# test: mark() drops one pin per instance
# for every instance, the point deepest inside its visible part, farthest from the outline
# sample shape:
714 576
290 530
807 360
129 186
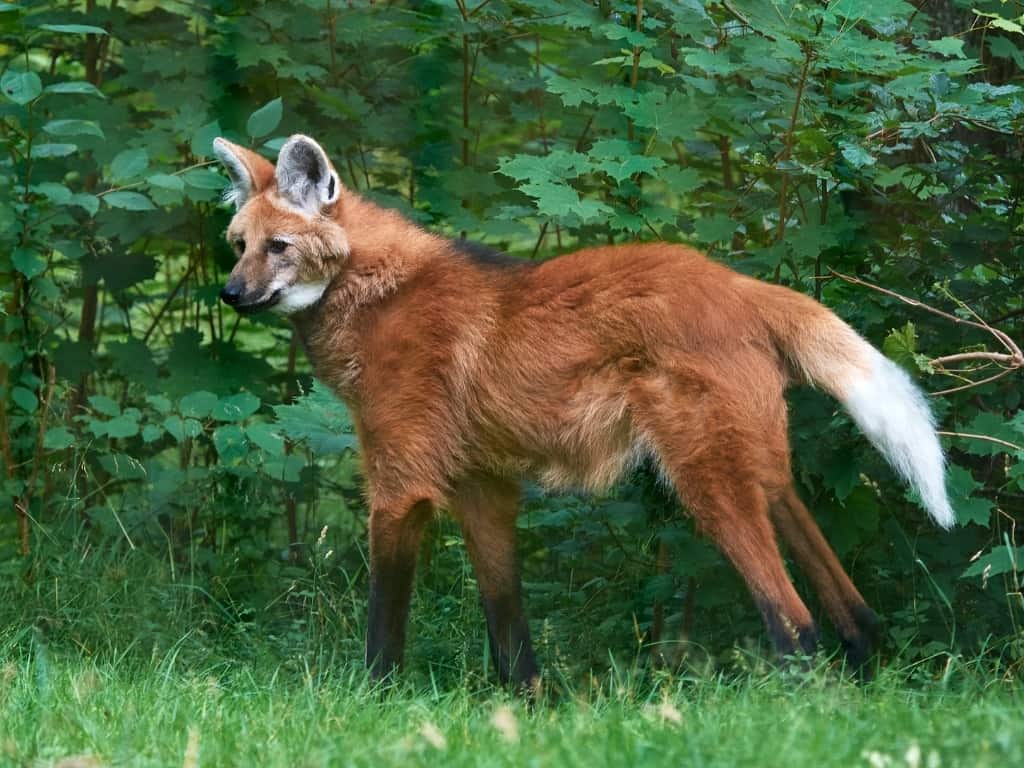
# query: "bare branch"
1013 359
983 437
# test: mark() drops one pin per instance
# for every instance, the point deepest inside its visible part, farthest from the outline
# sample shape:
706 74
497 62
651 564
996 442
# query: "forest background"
174 480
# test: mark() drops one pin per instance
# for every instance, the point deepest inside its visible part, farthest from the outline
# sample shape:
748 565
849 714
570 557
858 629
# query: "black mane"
485 256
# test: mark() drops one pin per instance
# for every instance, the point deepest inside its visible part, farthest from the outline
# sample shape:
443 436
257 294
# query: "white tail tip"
894 415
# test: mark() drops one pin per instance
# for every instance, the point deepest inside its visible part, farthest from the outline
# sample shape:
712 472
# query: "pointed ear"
304 175
250 173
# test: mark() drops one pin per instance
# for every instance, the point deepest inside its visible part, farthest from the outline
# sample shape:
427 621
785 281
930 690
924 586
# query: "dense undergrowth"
175 485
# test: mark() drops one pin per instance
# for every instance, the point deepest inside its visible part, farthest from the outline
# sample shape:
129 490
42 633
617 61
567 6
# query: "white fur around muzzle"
298 296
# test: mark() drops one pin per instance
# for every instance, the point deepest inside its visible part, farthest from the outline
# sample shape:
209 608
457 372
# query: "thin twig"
167 302
540 238
983 437
25 499
1013 361
994 356
788 140
972 384
179 172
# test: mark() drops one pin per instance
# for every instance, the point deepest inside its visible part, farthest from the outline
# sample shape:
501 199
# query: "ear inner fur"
250 173
304 175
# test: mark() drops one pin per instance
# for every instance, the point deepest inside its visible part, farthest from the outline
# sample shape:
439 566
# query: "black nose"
231 294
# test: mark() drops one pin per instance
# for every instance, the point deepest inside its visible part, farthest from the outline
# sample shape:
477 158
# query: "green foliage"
871 139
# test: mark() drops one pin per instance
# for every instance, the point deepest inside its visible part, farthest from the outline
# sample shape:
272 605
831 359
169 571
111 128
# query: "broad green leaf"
681 180
204 178
999 22
151 433
1001 559
55 193
559 164
230 443
236 407
131 357
52 150
286 468
266 437
25 399
130 201
198 405
319 419
947 46
1008 25
1004 48
572 91
125 425
675 117
622 514
713 63
73 128
714 229
181 429
21 86
104 405
616 158
97 427
10 353
166 181
160 403
900 346
250 53
989 424
968 507
128 164
175 427
28 261
561 200
58 438
75 86
73 359
202 139
856 156
808 242
265 119
90 203
841 473
74 29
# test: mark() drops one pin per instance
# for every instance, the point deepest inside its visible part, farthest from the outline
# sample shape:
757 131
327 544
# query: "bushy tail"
879 395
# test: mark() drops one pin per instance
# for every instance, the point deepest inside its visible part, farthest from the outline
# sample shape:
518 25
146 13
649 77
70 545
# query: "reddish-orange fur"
463 378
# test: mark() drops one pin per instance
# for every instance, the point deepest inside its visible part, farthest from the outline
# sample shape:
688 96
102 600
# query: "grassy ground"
68 711
116 664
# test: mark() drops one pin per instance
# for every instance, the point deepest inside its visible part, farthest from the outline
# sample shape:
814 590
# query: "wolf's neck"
386 251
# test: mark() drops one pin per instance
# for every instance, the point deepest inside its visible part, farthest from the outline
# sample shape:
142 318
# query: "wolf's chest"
335 357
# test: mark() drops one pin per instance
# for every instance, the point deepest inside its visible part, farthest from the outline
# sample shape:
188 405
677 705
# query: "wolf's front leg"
395 533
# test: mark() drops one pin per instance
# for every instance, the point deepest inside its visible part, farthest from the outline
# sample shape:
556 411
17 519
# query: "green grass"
162 712
115 663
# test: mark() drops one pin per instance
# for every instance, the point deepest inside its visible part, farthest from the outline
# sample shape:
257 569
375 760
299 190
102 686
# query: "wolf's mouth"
259 306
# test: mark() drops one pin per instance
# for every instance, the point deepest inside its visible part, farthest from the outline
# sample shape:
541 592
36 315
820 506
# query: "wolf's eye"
276 246
239 245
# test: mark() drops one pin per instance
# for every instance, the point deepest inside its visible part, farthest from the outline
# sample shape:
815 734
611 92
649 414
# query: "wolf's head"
289 244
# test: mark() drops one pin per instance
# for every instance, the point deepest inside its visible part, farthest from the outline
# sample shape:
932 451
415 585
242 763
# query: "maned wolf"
466 372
